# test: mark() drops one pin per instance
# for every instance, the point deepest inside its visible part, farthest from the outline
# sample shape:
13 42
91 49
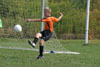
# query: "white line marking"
45 52
63 52
18 48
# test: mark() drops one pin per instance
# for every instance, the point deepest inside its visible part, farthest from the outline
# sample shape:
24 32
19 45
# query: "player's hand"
60 14
27 20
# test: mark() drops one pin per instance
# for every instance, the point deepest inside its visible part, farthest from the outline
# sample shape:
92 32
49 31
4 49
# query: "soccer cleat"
40 57
31 43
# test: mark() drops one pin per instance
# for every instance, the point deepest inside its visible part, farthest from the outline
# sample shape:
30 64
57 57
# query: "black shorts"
46 35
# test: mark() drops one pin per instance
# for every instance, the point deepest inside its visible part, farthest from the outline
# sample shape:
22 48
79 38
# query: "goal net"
71 27
94 28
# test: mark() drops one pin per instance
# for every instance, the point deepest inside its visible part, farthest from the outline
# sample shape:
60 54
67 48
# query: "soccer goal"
71 27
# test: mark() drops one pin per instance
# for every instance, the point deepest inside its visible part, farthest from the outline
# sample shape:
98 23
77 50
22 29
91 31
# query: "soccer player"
47 32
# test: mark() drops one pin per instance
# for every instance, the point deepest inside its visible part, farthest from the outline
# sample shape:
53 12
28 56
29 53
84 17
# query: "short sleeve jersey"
49 22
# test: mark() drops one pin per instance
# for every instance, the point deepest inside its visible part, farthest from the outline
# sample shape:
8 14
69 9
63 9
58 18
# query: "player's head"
47 11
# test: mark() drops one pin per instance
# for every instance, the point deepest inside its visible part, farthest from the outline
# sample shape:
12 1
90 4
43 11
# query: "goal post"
42 13
87 22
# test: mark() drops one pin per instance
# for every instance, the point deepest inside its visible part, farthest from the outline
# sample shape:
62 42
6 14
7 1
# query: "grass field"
89 55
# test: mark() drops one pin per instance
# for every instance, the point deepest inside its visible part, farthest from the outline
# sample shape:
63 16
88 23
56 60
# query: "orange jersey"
49 21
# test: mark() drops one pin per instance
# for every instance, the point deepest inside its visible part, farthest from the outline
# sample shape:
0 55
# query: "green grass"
89 55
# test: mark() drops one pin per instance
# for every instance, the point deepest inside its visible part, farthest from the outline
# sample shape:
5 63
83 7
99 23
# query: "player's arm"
60 17
34 20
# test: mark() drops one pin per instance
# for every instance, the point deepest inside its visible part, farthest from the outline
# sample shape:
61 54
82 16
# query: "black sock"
41 50
35 40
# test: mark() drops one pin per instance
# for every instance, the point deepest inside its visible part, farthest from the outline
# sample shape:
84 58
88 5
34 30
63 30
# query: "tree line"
72 25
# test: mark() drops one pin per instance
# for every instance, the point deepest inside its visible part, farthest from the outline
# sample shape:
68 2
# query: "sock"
41 50
35 40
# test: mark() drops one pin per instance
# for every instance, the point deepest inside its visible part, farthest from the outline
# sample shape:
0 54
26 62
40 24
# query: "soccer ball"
18 28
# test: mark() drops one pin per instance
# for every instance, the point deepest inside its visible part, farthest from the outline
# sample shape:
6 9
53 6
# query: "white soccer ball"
18 28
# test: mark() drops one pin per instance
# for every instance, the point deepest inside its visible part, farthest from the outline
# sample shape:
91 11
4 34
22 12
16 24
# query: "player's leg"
33 44
38 35
45 37
41 49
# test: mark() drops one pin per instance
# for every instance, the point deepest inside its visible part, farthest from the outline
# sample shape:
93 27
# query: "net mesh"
54 44
94 28
16 12
72 25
